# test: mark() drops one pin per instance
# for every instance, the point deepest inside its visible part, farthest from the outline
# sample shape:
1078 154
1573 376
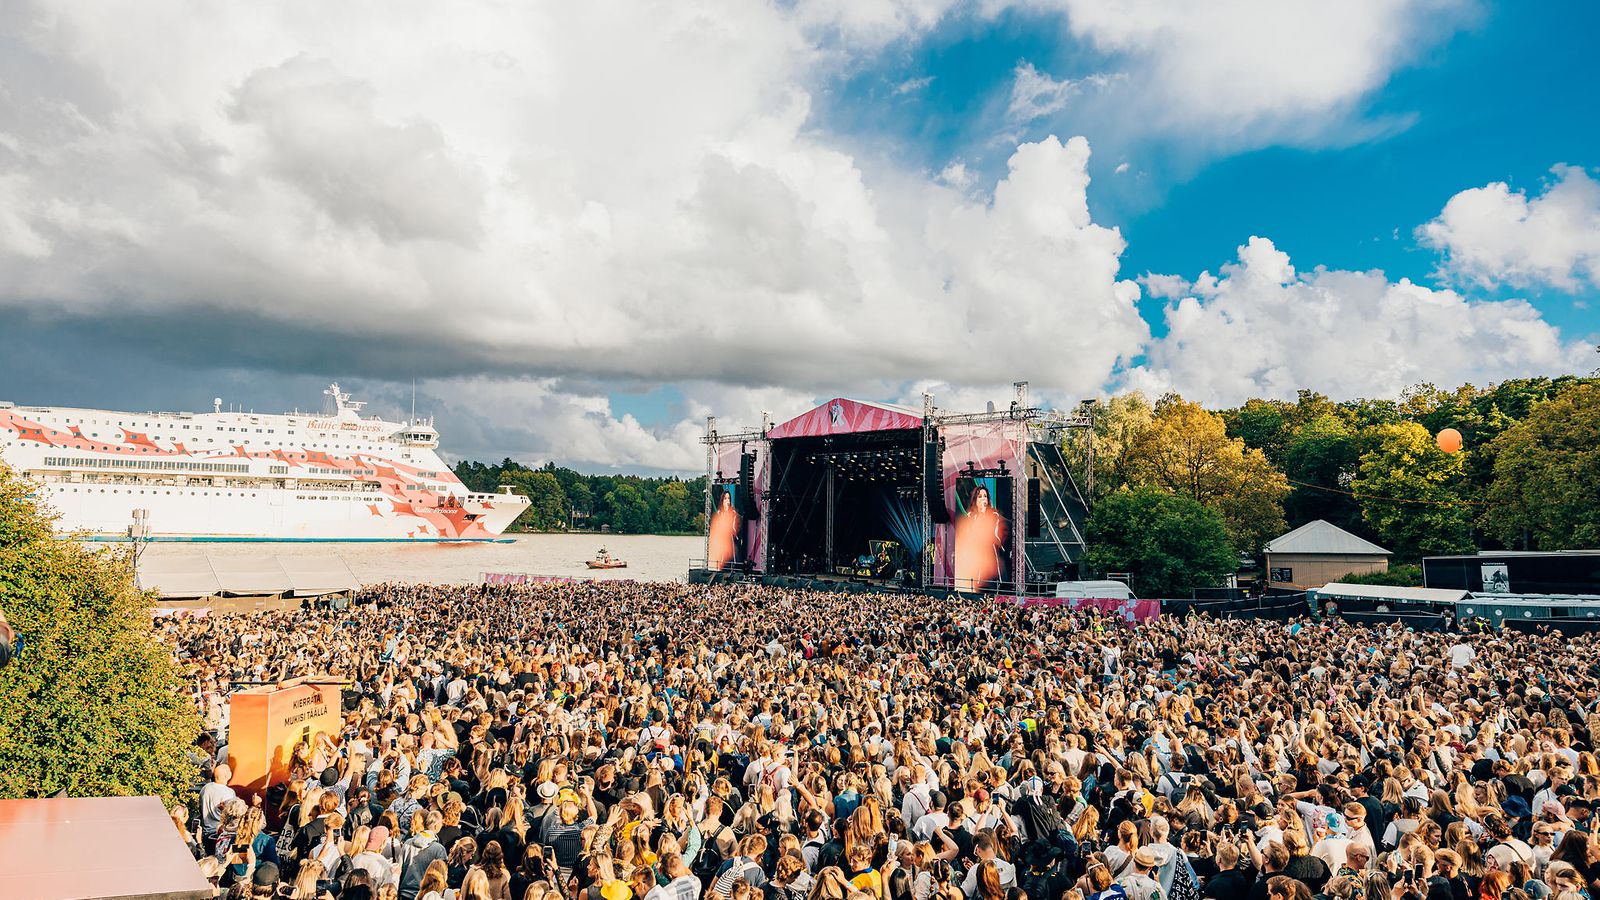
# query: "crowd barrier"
1414 620
1276 607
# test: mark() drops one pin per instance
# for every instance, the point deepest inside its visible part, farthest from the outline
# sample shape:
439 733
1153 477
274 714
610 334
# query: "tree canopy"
1170 544
1186 450
1524 477
1547 474
562 498
94 704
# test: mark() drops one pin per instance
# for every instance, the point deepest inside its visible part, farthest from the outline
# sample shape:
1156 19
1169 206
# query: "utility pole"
139 535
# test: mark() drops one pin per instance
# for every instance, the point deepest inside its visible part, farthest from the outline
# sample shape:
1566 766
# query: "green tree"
1171 544
675 510
1547 475
94 705
1186 450
1116 423
547 503
1322 452
1394 576
1410 492
1261 424
630 512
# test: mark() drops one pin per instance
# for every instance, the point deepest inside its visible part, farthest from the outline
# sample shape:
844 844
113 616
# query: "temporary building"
203 574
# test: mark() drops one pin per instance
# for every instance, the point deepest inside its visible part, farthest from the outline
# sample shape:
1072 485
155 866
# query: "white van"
1081 590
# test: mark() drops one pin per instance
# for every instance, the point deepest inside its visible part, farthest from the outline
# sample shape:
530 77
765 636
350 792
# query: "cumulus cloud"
491 195
1493 235
1250 72
1263 329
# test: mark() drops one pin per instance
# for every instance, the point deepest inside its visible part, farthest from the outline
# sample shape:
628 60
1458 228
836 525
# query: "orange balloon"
1449 440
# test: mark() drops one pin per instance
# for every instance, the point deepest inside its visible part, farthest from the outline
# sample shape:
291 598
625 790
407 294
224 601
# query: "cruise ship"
243 476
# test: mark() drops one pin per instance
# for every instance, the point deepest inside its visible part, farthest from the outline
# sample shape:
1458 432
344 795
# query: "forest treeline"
563 499
1187 488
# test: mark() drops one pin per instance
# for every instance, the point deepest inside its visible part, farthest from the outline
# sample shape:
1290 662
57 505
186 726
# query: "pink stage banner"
841 416
521 578
1126 610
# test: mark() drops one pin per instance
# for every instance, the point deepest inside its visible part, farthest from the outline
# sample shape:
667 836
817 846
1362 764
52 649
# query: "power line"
1318 487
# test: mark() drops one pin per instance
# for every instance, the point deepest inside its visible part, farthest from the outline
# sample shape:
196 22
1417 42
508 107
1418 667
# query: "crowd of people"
623 741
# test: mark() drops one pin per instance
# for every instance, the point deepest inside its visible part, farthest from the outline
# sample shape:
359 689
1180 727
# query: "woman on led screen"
724 531
980 534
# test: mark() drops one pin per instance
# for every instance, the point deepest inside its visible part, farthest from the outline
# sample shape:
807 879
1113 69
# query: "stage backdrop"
981 548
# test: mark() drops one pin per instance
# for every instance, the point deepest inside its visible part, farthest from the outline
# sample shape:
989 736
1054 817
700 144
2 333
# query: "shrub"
94 705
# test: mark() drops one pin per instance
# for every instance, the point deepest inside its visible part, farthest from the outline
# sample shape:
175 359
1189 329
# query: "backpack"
769 776
1048 867
708 865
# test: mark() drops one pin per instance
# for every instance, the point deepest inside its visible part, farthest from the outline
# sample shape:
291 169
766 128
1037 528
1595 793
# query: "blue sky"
1514 91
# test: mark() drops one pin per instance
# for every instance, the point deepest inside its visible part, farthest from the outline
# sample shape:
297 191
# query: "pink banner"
504 578
1126 610
841 416
521 578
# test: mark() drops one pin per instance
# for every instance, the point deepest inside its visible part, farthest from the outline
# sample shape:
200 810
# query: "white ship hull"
243 476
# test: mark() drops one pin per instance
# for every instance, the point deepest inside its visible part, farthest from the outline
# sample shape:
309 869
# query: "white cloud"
1165 287
871 22
1121 168
1252 72
1034 94
958 176
1493 235
1262 329
913 85
602 192
539 420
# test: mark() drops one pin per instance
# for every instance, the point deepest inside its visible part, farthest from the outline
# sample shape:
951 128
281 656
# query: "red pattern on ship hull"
395 480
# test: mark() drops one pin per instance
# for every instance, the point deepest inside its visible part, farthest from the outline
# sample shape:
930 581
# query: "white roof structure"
1341 590
200 574
1322 536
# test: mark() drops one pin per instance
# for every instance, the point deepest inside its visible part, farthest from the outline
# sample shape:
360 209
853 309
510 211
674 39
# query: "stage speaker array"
1035 512
933 482
747 495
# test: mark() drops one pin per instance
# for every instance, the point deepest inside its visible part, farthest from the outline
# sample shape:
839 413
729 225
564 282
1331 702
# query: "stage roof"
94 847
842 415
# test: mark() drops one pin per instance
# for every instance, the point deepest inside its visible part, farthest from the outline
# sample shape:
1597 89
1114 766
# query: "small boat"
604 560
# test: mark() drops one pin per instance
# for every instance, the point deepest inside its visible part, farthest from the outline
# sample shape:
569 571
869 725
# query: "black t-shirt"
1204 866
1377 818
1234 884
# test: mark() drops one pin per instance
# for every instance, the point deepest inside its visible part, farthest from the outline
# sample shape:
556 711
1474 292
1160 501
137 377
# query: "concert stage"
870 495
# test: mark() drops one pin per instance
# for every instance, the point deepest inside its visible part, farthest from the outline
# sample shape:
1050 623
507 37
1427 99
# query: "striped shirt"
684 887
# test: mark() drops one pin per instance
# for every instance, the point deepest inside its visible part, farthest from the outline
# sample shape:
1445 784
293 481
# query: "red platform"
94 848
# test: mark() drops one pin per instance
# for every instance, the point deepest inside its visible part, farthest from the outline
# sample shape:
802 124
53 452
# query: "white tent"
204 574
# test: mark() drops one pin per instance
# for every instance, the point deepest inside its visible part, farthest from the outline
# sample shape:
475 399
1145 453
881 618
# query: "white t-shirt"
1113 656
1462 655
212 796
